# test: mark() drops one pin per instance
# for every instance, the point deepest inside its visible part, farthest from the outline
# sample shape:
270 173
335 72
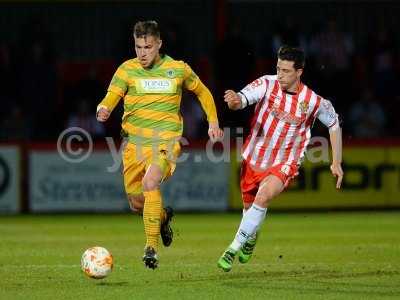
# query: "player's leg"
249 188
136 202
269 188
167 162
152 213
134 172
246 251
161 167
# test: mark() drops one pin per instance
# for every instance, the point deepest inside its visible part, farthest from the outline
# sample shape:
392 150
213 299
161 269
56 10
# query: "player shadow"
311 274
106 283
258 279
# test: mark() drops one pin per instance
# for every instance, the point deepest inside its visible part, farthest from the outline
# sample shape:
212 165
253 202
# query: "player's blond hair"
146 28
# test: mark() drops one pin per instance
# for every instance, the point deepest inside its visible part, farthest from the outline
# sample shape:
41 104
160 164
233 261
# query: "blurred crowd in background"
44 92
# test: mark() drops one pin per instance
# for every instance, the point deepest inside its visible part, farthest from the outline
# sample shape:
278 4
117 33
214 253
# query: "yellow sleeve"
190 79
206 100
110 101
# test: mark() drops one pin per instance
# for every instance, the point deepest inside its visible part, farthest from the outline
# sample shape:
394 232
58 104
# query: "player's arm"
251 94
207 103
327 115
116 90
336 166
194 84
106 106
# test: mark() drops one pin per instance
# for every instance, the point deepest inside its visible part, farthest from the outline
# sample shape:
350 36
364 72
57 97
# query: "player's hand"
102 114
232 99
337 171
214 132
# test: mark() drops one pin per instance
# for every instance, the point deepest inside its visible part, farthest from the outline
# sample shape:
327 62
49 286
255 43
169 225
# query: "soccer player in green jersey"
151 88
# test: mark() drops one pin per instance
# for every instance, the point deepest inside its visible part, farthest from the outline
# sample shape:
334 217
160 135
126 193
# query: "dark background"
56 59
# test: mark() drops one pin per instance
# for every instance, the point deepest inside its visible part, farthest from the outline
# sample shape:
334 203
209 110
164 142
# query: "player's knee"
149 184
263 199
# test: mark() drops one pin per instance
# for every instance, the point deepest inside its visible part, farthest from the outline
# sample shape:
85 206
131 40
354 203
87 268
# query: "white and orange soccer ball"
97 262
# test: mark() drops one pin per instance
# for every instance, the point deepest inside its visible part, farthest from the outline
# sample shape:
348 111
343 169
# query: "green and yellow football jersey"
152 99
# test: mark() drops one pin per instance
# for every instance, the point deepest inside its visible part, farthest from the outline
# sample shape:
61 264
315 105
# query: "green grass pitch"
347 255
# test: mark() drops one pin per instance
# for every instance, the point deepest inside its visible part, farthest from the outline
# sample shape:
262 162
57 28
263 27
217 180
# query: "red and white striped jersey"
281 125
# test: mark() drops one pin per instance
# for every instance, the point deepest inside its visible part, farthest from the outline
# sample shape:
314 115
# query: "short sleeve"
255 91
327 115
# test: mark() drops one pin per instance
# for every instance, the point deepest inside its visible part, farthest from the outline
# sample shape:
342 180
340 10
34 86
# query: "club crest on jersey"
256 83
170 73
303 107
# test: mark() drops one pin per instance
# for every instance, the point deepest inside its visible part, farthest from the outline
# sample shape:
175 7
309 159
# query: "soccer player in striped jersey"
151 87
280 132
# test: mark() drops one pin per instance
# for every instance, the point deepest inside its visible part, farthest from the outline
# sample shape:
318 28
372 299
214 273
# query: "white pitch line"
197 265
38 266
59 266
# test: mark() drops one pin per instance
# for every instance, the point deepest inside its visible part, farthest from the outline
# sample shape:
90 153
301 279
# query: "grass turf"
351 255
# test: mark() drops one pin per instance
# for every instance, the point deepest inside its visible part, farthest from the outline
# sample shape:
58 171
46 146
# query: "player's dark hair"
145 28
292 54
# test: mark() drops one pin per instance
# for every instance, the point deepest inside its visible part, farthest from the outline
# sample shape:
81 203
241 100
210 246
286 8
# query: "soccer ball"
97 262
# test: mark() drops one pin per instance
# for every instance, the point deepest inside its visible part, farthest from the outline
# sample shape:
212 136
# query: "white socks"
255 233
251 222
